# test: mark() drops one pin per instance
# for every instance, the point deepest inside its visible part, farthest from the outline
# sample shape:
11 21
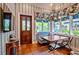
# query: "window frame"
42 26
71 21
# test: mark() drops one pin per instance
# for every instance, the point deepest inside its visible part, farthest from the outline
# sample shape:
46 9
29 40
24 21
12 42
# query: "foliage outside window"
38 26
42 26
45 26
75 27
65 26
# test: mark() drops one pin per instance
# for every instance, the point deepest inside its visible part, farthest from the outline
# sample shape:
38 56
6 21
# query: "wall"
4 36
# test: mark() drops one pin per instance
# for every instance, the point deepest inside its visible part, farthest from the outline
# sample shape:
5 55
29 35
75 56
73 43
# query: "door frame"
20 25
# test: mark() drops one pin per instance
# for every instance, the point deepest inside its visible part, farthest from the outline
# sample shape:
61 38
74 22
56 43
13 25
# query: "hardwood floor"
35 49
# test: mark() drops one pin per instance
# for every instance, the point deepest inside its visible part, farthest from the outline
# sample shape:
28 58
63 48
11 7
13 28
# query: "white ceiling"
42 5
53 6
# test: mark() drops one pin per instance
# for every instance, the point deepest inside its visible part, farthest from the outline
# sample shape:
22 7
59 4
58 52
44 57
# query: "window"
38 26
6 24
23 25
42 26
45 26
75 27
28 23
69 25
65 26
56 26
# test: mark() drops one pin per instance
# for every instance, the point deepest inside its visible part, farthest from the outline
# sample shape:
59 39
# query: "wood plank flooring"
35 49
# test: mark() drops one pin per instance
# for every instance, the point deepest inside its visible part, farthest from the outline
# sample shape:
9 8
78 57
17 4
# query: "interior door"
26 29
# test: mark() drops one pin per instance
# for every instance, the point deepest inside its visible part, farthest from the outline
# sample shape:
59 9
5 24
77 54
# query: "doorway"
26 29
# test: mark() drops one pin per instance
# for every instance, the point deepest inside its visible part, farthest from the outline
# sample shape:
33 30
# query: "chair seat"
43 41
40 39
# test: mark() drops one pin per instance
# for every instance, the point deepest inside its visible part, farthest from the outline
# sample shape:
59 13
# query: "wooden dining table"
57 38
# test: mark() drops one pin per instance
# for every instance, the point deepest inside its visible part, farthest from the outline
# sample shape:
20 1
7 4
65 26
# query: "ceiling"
53 6
60 6
42 5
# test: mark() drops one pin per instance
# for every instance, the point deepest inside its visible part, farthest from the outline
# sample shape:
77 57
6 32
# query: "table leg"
50 47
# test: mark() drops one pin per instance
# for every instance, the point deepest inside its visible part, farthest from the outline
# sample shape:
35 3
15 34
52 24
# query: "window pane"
65 26
23 25
56 26
6 24
28 23
75 27
38 26
45 26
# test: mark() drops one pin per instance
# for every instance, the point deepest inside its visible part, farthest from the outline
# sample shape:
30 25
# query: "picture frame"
6 26
1 18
